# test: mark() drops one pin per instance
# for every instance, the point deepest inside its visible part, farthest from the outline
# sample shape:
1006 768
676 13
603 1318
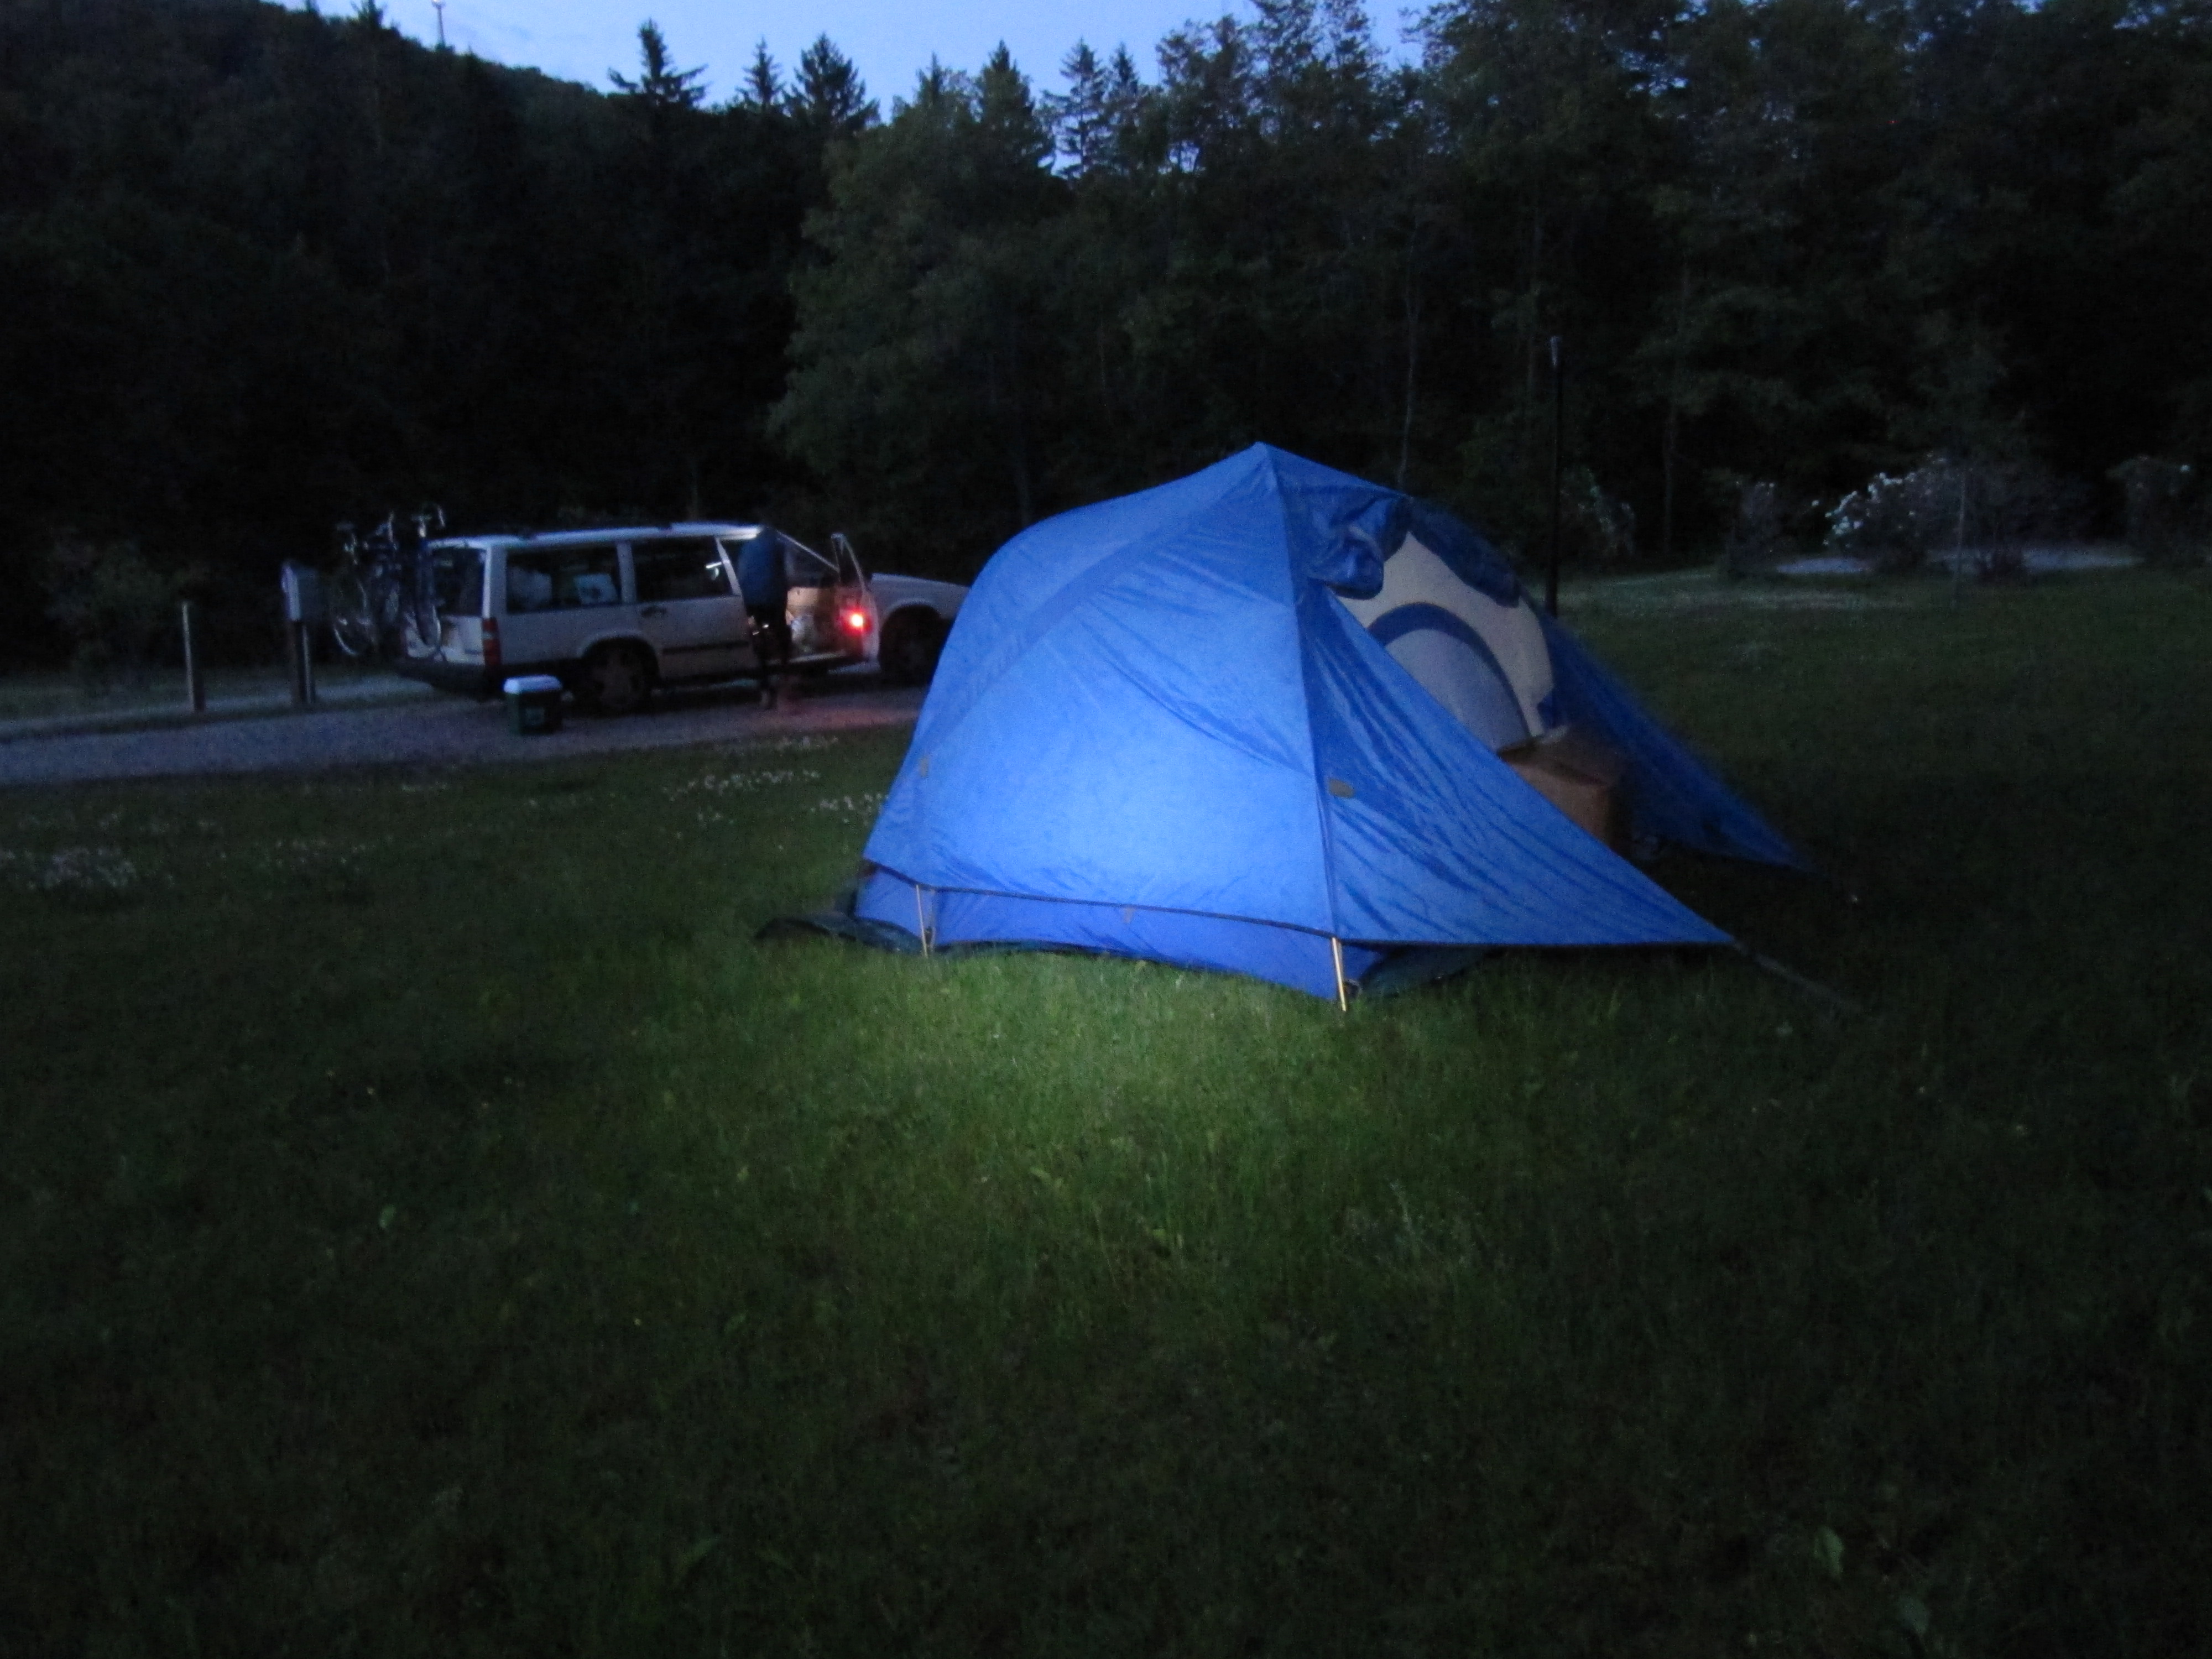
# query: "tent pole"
1336 953
920 920
1812 987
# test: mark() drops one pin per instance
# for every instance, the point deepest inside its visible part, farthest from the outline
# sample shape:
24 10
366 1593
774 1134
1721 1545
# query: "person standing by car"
766 588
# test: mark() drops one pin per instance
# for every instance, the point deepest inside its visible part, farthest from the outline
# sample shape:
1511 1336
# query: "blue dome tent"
1251 721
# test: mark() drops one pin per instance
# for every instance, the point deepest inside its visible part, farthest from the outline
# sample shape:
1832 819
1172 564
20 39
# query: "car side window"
562 578
684 567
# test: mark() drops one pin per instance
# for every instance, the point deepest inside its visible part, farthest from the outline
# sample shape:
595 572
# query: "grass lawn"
430 1224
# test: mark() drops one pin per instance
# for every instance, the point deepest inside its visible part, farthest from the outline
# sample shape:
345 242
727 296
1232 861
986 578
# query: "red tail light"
491 641
856 621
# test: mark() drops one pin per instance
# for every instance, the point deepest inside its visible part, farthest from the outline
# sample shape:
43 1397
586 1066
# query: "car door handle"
653 610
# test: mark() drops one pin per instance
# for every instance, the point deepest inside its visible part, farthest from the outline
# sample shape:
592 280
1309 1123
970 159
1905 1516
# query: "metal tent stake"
1336 954
921 919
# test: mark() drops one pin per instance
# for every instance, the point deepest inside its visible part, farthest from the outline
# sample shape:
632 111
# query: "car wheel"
616 680
910 647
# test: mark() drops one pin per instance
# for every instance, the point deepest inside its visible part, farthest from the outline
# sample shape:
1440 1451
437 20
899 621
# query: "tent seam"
1150 909
1298 597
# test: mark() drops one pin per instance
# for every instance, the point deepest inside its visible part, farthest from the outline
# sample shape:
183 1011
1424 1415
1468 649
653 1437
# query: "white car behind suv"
612 613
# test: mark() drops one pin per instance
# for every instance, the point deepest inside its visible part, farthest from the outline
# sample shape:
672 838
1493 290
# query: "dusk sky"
888 40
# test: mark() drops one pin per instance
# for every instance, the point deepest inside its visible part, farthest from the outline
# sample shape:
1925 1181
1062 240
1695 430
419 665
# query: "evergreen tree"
763 88
661 86
830 101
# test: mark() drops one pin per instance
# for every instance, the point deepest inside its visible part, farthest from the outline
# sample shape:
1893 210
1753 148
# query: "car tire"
911 643
616 680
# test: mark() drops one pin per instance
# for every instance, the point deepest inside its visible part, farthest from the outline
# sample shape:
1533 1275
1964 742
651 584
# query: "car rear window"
562 578
459 574
685 567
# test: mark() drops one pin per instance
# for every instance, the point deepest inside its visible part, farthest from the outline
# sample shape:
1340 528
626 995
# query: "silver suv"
614 613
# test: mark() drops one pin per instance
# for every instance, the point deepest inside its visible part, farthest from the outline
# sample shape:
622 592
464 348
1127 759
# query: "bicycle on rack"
384 597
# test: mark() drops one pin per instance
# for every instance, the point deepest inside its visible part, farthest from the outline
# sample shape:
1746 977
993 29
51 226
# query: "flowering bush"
1893 523
1987 510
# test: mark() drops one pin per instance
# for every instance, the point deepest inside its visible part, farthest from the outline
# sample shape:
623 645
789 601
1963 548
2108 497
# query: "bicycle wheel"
353 620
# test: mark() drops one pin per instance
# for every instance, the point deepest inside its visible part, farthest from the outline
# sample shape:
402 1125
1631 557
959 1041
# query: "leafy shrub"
1756 537
1594 524
112 603
2163 522
2009 505
1505 486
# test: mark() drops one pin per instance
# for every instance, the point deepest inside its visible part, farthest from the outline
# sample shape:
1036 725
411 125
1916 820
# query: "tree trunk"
1024 503
1412 362
1668 453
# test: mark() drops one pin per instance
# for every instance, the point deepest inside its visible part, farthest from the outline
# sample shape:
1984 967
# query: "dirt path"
445 732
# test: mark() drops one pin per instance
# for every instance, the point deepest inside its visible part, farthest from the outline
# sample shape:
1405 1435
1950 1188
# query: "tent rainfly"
1273 719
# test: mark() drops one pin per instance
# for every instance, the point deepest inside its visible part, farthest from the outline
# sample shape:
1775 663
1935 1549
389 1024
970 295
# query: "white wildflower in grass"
308 854
850 809
743 783
85 870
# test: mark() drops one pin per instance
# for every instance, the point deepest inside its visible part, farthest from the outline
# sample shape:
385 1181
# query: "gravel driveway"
446 731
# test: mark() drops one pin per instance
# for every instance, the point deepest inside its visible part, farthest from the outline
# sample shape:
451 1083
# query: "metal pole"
307 662
1558 443
195 670
294 671
1336 954
1958 549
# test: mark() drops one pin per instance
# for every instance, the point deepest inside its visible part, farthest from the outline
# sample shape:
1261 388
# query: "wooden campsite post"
1559 442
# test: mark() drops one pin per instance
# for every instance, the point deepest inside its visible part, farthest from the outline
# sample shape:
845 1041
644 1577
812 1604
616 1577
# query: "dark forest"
264 270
